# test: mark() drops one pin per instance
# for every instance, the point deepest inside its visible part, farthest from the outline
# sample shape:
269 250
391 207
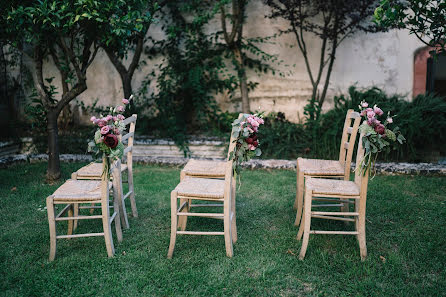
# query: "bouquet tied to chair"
377 135
244 131
107 141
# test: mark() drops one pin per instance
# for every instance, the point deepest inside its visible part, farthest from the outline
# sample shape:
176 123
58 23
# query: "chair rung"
328 205
201 198
333 218
128 149
79 235
127 195
332 200
79 218
205 205
334 232
93 206
335 213
113 217
200 233
198 214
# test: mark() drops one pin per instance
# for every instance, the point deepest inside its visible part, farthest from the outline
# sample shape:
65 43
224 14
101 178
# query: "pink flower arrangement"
377 136
110 126
247 144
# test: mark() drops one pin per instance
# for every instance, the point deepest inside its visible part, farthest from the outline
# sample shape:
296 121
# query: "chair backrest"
232 139
115 169
129 136
361 178
351 126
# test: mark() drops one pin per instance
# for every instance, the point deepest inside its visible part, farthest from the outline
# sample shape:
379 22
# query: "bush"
422 121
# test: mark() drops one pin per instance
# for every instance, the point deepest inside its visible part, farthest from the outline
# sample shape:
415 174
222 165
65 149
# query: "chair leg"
301 228
299 196
76 213
106 224
132 195
70 222
52 225
117 219
361 238
118 196
307 215
234 220
228 228
182 220
173 220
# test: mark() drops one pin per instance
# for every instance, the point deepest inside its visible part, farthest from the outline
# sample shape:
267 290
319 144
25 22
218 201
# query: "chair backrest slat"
351 126
232 139
129 137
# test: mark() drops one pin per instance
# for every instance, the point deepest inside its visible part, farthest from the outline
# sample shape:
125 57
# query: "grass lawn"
406 240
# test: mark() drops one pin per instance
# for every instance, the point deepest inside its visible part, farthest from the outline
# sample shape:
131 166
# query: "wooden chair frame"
345 157
359 201
181 212
105 216
128 155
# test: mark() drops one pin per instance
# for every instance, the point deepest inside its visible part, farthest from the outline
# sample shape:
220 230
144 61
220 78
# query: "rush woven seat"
320 167
319 191
205 168
332 187
201 187
79 189
328 168
93 171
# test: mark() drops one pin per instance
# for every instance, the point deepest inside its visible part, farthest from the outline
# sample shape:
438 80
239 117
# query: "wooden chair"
75 192
205 189
93 171
337 193
206 169
328 168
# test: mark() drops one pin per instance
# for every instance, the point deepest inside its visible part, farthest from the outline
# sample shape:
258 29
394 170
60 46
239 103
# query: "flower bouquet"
377 136
247 144
106 138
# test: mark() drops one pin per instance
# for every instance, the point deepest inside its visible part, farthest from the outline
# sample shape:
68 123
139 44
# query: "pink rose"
251 147
389 120
254 123
111 140
377 110
250 130
120 117
125 101
105 130
260 121
380 129
116 130
109 117
370 114
101 123
120 108
115 119
93 119
364 104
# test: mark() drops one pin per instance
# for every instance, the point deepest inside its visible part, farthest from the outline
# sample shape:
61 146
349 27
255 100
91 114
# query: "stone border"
381 168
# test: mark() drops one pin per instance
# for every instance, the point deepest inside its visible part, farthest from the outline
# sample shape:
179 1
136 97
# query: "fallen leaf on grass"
123 252
382 259
13 189
291 252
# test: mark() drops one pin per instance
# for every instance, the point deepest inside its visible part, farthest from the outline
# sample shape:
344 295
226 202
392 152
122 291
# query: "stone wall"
383 59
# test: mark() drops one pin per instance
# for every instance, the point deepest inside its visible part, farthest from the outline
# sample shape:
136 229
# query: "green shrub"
422 122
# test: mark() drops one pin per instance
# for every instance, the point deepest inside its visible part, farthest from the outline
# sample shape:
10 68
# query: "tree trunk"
53 172
242 80
127 85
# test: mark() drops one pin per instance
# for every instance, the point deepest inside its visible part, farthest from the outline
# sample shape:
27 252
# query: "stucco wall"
383 59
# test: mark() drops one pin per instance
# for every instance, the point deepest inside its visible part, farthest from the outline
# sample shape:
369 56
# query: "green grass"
406 239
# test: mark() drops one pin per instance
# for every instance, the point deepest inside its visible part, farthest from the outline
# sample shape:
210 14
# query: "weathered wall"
384 60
